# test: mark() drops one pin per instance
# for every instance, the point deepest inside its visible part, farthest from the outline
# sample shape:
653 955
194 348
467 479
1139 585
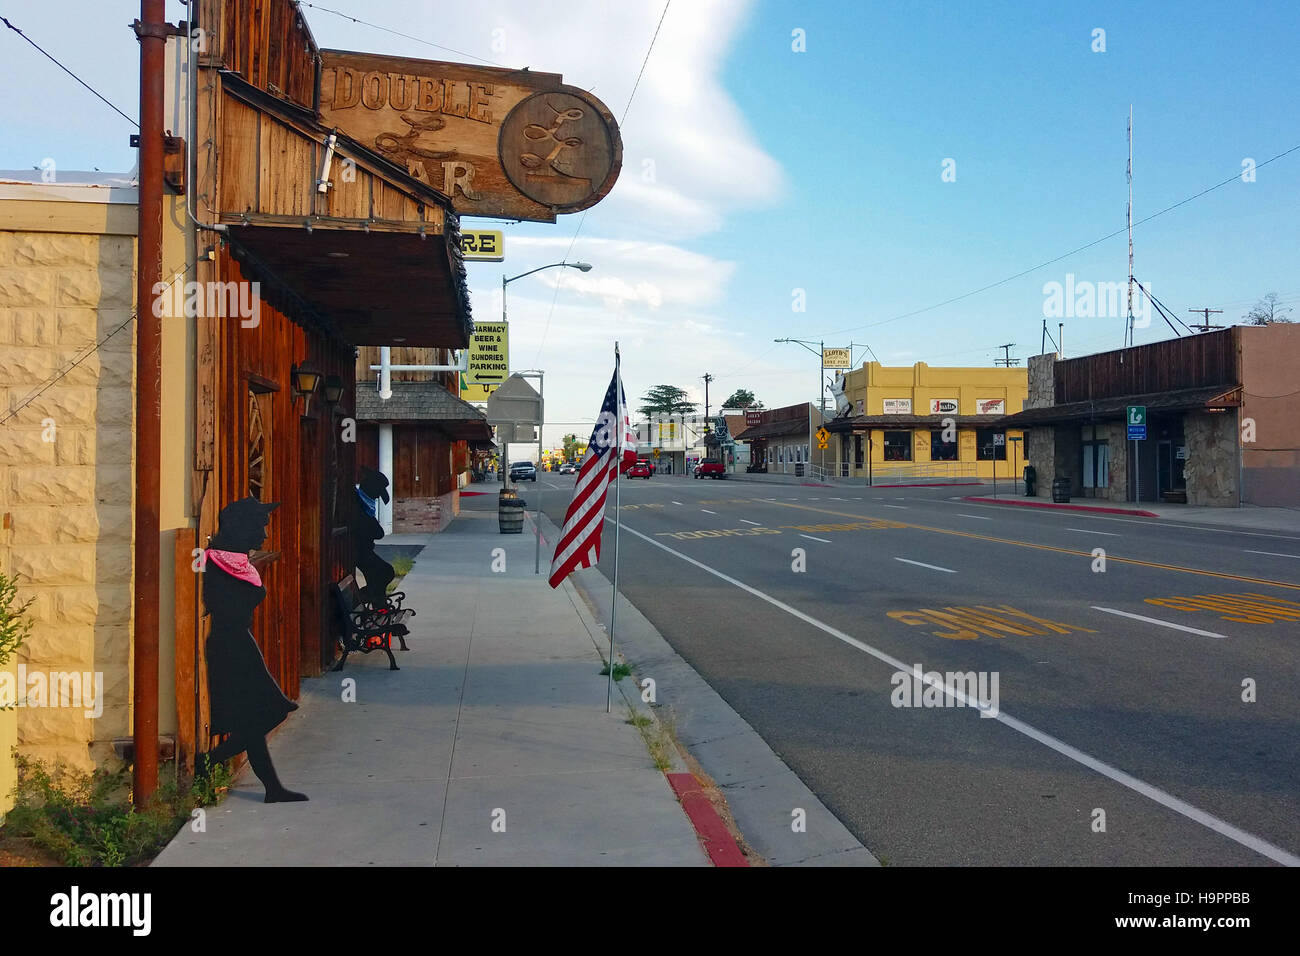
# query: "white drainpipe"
384 512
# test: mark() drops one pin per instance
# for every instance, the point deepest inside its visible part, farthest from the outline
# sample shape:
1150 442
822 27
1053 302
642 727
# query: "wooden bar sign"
504 143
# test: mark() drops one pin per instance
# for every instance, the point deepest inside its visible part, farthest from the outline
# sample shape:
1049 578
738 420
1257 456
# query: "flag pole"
617 450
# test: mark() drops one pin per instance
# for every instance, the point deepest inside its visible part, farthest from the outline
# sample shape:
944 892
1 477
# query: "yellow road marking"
1245 608
968 623
1049 547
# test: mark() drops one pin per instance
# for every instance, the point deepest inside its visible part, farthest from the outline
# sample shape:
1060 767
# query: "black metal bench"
364 628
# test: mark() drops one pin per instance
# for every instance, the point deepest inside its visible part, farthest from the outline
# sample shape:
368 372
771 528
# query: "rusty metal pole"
151 31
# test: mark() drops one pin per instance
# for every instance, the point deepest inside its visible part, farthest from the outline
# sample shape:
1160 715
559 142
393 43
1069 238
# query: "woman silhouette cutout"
246 702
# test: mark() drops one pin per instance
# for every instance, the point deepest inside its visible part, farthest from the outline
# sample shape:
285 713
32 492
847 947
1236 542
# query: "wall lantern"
333 389
305 382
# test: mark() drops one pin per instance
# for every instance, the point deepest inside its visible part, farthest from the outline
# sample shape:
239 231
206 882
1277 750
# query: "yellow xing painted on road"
968 623
1246 608
1049 547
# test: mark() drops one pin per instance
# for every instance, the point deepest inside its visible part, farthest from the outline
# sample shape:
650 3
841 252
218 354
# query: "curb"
712 832
1060 507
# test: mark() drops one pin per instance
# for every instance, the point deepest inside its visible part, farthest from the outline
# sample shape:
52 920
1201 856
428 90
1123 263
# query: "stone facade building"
1222 420
66 282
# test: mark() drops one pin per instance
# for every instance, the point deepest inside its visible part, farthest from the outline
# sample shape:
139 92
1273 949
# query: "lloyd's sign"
509 143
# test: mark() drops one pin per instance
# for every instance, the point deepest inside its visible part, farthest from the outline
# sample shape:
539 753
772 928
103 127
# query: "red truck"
710 468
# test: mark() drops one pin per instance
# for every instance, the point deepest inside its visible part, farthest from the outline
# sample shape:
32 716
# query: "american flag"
610 452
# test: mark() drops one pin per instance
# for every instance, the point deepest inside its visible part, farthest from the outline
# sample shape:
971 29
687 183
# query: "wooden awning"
424 403
1114 409
374 258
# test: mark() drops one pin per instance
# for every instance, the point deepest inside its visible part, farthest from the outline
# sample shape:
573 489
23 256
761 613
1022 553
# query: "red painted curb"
713 833
1051 504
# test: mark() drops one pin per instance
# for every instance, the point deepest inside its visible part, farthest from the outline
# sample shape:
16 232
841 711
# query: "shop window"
898 446
857 451
1096 464
987 445
941 450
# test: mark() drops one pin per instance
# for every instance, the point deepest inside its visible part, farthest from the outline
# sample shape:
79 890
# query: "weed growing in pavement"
620 671
86 819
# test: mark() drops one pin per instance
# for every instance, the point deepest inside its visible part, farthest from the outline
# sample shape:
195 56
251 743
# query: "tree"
1266 311
742 398
571 447
666 400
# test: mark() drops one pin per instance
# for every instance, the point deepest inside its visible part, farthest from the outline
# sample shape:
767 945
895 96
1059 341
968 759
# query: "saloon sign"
508 143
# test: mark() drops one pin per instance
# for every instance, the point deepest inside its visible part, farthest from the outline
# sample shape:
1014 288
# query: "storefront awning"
864 422
368 253
425 403
785 429
1114 409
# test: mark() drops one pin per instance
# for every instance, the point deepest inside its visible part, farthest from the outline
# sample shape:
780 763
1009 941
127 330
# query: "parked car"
640 470
710 468
523 471
568 468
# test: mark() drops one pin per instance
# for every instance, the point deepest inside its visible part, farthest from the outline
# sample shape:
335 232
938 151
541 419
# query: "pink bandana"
235 564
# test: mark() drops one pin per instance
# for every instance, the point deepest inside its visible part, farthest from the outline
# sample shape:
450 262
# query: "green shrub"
14 623
86 819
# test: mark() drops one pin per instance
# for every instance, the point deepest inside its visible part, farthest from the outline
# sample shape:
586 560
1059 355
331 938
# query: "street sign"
489 354
823 436
1137 433
999 439
482 245
1137 415
515 402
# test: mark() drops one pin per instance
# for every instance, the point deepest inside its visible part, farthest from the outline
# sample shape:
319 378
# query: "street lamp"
528 373
821 390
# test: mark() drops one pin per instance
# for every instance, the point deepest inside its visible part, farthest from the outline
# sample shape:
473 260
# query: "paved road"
800 605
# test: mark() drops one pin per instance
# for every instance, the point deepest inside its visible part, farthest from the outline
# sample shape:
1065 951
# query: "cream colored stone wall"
65 471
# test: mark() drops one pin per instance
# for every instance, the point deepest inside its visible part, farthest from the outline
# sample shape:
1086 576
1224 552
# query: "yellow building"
928 423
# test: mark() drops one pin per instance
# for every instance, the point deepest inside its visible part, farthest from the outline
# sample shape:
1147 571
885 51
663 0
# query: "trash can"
1031 481
798 469
1061 490
510 513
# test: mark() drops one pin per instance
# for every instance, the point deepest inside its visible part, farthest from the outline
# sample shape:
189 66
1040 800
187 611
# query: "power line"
993 285
407 36
69 72
622 122
90 350
1206 326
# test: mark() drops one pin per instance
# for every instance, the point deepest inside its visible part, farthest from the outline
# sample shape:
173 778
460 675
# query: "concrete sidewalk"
491 745
1245 518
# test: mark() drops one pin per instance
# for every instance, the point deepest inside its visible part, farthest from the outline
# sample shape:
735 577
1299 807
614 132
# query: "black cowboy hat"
374 483
246 511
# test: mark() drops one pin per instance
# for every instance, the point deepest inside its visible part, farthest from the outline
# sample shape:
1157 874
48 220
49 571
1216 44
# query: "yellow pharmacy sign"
482 245
489 355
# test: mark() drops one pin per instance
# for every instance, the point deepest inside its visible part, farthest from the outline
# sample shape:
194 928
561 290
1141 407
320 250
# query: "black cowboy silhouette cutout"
246 702
366 530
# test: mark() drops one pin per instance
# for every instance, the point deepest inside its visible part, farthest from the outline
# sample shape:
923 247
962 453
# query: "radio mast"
1129 217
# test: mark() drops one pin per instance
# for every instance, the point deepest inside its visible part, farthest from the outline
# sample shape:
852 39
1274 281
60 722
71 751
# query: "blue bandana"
371 505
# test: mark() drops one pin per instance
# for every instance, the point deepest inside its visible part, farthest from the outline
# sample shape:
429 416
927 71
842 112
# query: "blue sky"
751 170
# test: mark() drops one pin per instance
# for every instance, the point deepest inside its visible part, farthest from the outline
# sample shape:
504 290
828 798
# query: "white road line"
708 512
1109 534
1274 554
932 567
832 499
1155 794
976 517
1155 620
676 502
899 507
747 521
811 538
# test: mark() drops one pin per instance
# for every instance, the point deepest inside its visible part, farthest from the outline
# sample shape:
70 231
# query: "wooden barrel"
510 515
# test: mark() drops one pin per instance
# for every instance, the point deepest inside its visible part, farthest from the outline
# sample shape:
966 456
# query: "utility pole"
1128 332
1206 326
707 379
1006 361
151 30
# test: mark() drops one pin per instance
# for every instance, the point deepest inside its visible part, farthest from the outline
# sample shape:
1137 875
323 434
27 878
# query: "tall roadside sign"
489 360
1137 431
